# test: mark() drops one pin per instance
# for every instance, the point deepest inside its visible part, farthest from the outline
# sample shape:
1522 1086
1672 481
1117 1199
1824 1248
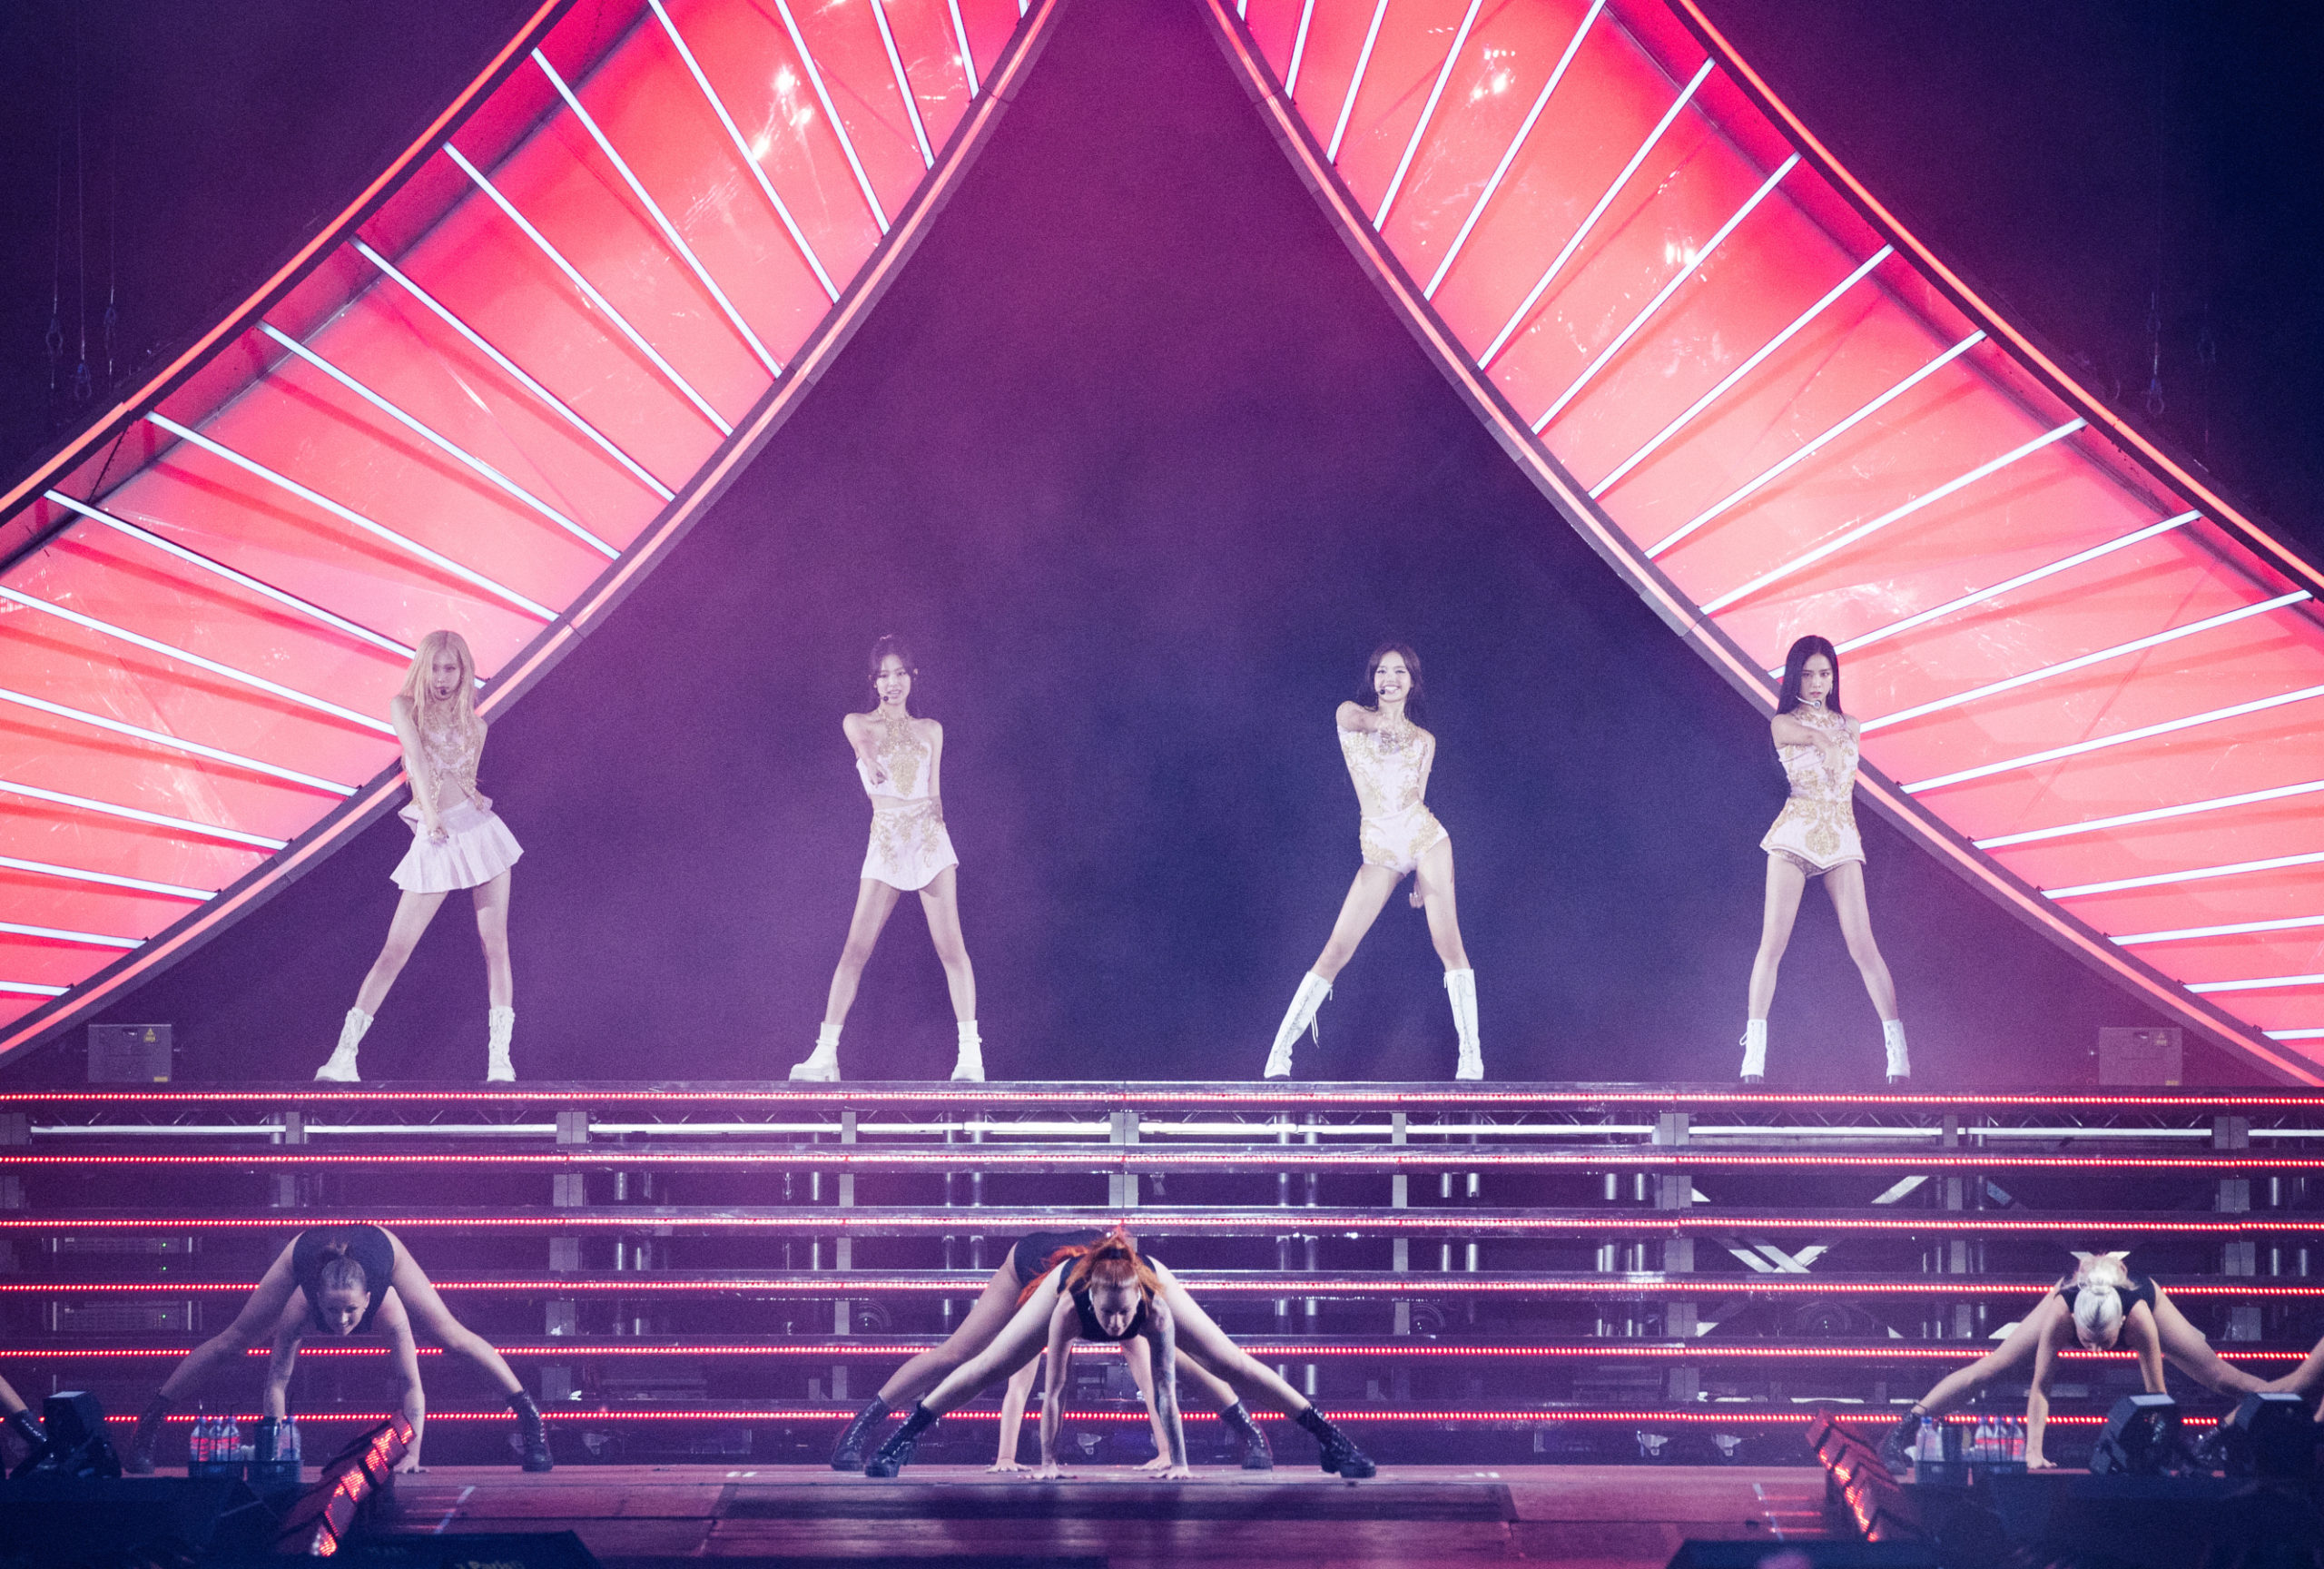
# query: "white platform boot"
1900 1061
822 1066
970 1067
1755 1050
500 1025
340 1068
1461 986
1313 990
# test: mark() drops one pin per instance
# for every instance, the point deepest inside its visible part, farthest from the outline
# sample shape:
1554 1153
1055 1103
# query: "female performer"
899 758
2099 1304
341 1280
1389 756
1029 1259
457 843
1814 836
1109 1293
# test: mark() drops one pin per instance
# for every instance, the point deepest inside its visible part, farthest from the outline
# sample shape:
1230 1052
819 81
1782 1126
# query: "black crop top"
371 1248
2139 1289
1091 1328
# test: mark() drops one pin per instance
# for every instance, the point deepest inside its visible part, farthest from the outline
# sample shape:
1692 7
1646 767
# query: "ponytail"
1112 1260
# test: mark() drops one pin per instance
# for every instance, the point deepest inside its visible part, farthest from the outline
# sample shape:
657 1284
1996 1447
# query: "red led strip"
867 1283
1347 1417
1266 1223
1157 1096
1106 1159
1607 1350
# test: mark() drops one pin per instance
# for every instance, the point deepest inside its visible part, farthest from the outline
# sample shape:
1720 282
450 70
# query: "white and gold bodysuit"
476 845
1390 767
1816 831
908 843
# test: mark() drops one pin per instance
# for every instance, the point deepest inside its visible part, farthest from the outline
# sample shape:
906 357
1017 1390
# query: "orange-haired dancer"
1022 1266
1106 1292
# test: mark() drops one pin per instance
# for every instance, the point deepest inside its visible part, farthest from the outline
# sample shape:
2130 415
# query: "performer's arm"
283 1360
2038 1392
1161 1333
1355 716
858 731
1061 1327
395 1325
415 765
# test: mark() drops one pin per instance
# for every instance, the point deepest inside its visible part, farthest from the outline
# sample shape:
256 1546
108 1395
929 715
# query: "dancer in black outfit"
1027 1260
1104 1291
339 1281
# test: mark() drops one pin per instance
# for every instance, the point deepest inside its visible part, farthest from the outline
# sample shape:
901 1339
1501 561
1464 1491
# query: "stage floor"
1585 1516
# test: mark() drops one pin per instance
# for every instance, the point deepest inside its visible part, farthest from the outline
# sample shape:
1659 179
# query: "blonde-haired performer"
342 1281
457 843
900 760
1389 757
2100 1305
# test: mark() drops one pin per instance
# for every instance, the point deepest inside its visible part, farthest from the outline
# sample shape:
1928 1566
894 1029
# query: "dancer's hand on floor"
1052 1472
2037 1463
1006 1466
1159 1463
1173 1474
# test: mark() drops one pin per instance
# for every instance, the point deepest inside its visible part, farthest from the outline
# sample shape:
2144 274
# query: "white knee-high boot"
1900 1061
822 1066
970 1067
500 1024
1313 990
1461 986
1755 1050
340 1068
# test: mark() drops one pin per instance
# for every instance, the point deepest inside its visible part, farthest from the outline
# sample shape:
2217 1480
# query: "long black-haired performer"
899 758
2100 1304
1389 757
1108 1292
341 1280
1814 836
457 843
1028 1260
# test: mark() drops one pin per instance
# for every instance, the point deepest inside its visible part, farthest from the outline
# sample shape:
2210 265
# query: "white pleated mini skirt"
476 848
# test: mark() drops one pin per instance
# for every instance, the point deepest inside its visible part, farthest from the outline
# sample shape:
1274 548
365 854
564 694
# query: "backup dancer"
17 1419
1029 1259
1106 1292
457 843
340 1281
2100 1304
900 759
1389 756
1814 836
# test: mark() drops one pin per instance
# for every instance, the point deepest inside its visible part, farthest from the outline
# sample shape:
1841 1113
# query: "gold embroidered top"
1817 824
451 756
1389 765
908 756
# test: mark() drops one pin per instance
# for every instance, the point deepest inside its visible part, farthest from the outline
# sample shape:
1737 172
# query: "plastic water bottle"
231 1445
2017 1441
198 1446
290 1450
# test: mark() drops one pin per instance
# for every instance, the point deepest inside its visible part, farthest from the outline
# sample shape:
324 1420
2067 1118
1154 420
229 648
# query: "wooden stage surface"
1586 1517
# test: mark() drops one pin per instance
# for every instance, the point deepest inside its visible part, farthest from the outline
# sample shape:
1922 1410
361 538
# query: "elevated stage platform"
1420 1517
1491 1275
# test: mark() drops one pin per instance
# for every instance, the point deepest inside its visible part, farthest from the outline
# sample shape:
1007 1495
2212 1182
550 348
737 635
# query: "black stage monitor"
2269 1435
2140 1439
77 1444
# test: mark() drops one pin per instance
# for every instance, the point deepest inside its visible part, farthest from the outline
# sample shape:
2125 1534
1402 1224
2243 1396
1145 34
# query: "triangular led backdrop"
494 391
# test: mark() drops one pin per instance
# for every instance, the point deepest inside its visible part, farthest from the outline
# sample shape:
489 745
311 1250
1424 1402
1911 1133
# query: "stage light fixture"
2142 1439
76 1444
2269 1435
